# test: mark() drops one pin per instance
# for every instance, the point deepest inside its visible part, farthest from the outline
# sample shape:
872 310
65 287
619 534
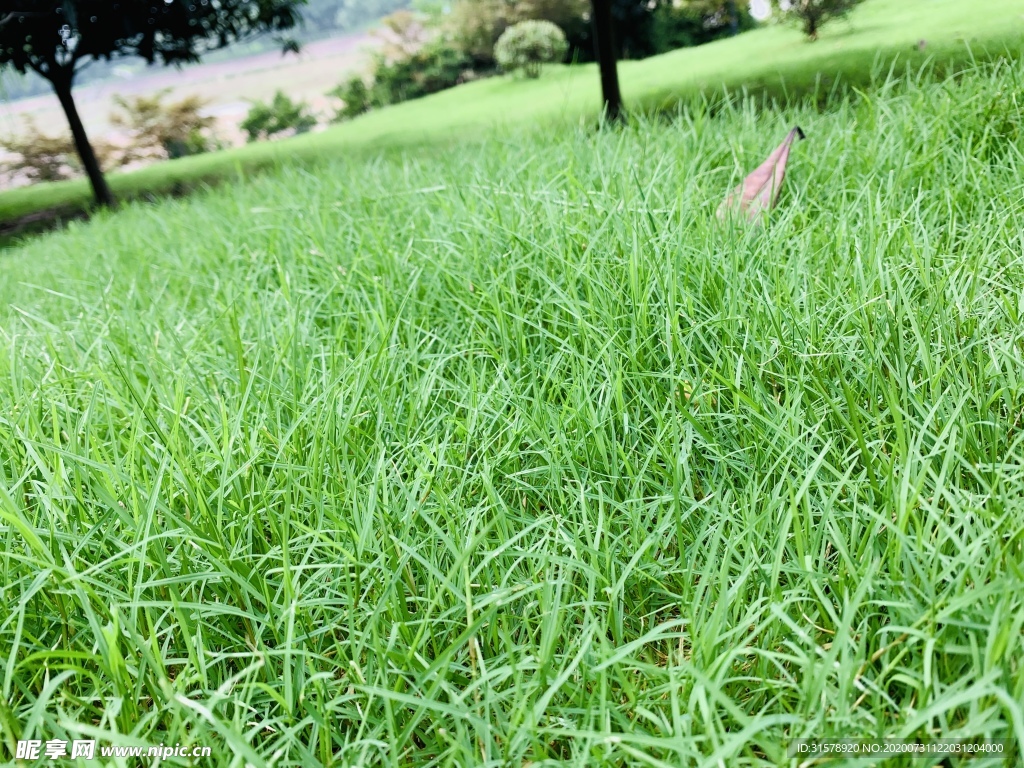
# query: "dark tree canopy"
56 37
52 35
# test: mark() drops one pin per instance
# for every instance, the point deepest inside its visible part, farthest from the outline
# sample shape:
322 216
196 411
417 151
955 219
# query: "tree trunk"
605 44
734 18
62 86
811 27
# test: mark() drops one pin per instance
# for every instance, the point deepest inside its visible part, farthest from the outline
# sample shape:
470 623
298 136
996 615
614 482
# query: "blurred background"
398 49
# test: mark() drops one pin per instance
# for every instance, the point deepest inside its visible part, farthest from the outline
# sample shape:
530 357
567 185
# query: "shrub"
433 68
476 25
40 157
812 15
527 46
355 99
280 116
164 130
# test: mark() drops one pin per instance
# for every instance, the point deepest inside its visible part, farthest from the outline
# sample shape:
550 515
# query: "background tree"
813 14
607 61
56 38
717 13
650 27
590 27
476 25
695 22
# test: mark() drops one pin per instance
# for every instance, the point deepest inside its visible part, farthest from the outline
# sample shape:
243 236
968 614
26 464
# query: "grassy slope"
775 60
508 456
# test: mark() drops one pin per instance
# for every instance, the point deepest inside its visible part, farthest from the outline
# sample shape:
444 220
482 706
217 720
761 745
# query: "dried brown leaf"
759 192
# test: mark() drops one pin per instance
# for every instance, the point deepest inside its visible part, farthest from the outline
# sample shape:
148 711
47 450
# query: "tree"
57 38
713 13
604 43
479 23
813 14
632 22
682 24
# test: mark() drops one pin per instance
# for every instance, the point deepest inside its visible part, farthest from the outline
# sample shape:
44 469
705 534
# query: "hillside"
774 61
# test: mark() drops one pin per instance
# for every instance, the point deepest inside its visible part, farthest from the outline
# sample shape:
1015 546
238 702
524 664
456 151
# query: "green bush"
159 130
476 25
434 67
355 99
812 15
37 156
281 115
528 45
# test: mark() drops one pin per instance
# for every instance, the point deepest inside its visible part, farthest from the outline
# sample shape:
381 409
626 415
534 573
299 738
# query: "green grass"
775 62
513 455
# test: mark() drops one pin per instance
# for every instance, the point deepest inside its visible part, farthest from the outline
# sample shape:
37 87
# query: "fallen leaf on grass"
759 192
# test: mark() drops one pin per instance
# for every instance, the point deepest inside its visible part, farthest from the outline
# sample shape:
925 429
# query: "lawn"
773 62
511 454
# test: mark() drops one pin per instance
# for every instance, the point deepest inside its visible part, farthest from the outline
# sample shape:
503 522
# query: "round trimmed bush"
526 46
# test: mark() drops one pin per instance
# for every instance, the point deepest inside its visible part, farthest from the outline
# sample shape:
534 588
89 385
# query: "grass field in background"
774 62
511 454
